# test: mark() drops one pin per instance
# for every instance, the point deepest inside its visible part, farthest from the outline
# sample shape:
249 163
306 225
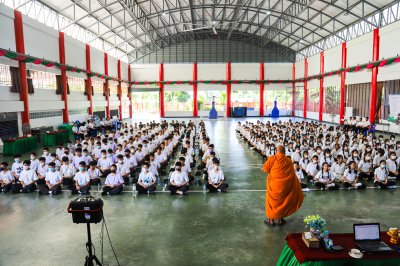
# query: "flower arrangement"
315 222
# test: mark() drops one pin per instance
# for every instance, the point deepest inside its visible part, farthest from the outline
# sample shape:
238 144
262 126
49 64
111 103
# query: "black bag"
86 210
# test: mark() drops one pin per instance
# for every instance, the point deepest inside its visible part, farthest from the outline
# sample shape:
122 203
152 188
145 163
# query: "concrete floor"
199 229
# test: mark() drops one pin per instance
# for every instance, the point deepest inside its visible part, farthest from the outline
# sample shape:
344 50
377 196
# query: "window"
313 100
145 103
43 80
5 76
98 86
124 88
299 99
246 98
113 86
331 100
205 98
283 97
178 101
76 84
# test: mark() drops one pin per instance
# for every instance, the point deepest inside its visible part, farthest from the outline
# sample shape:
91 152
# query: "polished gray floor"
199 229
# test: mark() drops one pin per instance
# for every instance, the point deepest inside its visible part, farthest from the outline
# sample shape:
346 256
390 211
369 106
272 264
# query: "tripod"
90 259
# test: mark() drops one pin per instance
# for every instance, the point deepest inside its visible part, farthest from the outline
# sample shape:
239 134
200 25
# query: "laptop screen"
366 232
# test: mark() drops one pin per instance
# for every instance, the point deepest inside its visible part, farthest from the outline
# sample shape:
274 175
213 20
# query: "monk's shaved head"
280 149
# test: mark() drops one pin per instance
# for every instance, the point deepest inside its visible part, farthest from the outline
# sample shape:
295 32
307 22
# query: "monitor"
367 232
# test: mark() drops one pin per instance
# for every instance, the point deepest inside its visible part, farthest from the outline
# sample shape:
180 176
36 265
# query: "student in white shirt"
324 179
82 180
146 181
6 177
179 181
299 174
34 161
17 166
26 180
53 181
94 174
216 179
46 155
104 164
41 172
381 177
313 168
338 168
114 183
365 168
78 158
350 178
123 168
67 171
392 166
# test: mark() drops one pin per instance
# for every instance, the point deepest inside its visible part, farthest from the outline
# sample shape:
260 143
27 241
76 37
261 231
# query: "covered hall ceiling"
141 27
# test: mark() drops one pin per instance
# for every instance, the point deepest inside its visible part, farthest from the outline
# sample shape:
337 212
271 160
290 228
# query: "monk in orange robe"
284 195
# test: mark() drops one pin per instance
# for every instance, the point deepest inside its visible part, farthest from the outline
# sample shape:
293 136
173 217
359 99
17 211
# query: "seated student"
104 164
354 157
41 172
299 174
123 169
380 155
34 161
82 180
179 181
324 179
381 177
46 155
338 168
216 179
304 161
326 158
67 171
114 183
312 168
94 174
186 168
53 181
17 166
87 157
78 158
146 181
6 177
365 168
26 180
350 177
392 165
296 155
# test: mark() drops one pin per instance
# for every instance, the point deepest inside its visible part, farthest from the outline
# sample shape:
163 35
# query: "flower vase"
316 232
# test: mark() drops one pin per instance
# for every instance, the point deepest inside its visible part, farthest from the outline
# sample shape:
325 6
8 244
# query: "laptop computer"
368 238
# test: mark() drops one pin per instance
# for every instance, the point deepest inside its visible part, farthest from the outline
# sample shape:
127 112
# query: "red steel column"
343 84
262 86
374 79
19 43
64 94
161 72
107 90
195 109
89 80
129 91
293 88
228 89
321 85
119 89
305 87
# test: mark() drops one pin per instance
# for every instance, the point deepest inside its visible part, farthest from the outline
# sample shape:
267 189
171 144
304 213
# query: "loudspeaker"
86 210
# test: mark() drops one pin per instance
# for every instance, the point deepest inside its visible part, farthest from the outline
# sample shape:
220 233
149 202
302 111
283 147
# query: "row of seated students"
181 174
327 156
80 165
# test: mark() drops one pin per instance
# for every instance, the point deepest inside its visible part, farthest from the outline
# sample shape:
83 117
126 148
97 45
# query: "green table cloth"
67 127
19 146
296 253
55 138
287 258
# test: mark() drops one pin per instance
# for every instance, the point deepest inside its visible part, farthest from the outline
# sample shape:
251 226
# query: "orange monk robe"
284 194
